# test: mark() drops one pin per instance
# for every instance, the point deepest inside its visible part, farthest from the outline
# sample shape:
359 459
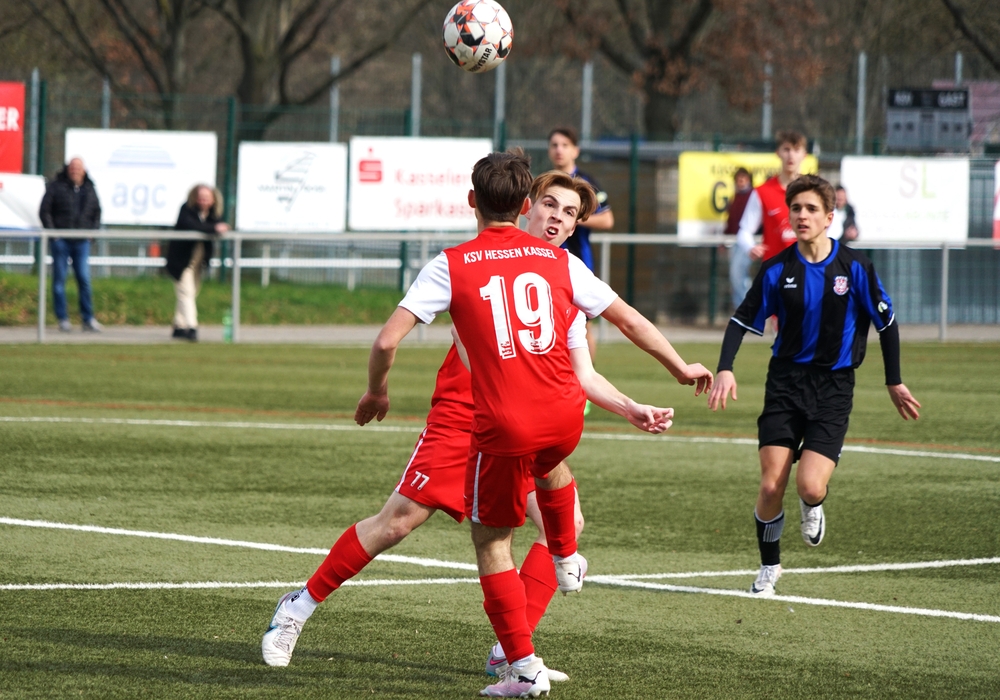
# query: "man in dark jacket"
70 202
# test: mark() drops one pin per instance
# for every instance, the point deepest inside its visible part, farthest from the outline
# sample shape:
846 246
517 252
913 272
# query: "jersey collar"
825 261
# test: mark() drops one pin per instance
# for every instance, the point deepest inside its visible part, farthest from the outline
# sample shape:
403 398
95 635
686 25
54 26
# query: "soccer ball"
478 35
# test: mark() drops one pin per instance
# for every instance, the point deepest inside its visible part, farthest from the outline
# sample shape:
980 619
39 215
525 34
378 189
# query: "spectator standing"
186 259
70 202
844 227
739 259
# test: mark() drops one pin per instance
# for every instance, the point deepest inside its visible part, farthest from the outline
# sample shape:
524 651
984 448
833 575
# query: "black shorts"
806 408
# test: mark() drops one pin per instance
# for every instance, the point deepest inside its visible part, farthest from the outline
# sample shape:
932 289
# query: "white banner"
20 199
292 187
143 177
908 199
413 184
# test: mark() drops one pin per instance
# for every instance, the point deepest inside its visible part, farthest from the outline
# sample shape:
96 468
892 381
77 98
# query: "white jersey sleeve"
751 220
430 293
577 335
590 294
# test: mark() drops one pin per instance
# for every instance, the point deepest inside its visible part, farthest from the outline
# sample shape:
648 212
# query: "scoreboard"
928 120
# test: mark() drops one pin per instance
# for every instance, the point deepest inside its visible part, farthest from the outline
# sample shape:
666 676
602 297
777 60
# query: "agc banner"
908 199
292 187
413 184
143 177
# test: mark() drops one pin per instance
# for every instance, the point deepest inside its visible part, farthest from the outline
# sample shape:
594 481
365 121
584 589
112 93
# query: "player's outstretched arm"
604 394
645 336
375 402
904 401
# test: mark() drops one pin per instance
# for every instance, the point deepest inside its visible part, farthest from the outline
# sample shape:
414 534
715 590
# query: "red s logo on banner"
11 127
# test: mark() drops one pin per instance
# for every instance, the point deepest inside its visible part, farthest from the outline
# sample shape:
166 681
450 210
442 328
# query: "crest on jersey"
840 285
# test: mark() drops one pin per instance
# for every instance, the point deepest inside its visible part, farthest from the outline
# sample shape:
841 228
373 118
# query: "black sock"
769 538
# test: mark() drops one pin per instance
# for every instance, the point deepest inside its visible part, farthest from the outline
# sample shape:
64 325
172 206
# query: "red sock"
539 579
345 560
504 604
557 508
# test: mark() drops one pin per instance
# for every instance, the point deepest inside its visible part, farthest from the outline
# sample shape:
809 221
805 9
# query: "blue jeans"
79 251
739 274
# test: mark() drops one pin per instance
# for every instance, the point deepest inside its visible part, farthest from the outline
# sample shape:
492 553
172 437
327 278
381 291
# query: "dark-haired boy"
824 295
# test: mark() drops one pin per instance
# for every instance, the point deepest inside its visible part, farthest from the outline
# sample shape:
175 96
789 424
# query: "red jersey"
778 233
451 404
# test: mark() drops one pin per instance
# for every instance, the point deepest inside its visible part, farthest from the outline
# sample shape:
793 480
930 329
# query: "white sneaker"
813 523
279 640
65 326
497 664
570 572
768 576
530 681
92 326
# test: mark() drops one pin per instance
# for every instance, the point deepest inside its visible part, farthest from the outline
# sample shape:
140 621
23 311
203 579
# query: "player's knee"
772 490
812 491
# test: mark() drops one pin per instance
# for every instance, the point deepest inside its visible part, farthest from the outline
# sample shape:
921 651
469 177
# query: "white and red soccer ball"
478 35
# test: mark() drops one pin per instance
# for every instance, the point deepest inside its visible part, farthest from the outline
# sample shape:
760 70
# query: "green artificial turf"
225 468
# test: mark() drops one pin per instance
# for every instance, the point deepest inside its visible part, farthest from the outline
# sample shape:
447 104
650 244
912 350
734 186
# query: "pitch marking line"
414 430
203 585
846 569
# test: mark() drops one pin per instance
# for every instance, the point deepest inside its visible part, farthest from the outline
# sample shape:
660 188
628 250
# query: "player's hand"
371 406
699 376
725 384
650 418
757 252
904 402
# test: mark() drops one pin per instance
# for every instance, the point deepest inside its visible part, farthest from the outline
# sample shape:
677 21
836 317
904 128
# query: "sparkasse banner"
908 199
292 187
413 184
143 177
11 127
706 186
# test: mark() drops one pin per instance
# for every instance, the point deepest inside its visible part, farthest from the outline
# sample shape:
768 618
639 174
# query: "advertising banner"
20 199
908 199
706 186
996 202
413 184
292 187
143 177
11 127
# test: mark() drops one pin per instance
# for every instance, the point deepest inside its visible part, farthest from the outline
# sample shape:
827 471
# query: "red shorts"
435 474
497 487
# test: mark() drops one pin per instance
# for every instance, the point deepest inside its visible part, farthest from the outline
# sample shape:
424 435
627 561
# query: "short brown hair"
557 178
567 131
812 183
217 206
794 138
501 182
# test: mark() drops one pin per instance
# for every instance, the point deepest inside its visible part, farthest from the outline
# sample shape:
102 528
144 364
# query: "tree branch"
604 45
296 25
971 34
682 45
17 26
639 38
137 46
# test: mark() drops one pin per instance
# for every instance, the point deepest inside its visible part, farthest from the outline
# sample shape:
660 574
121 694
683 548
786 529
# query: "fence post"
34 132
633 203
40 262
42 99
237 249
228 180
943 331
404 265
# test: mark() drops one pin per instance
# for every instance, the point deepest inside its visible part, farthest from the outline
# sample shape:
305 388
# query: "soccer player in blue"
824 295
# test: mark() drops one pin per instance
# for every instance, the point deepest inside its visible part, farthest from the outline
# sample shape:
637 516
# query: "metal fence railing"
930 283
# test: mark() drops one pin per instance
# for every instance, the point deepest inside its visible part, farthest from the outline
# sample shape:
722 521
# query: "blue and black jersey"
579 243
823 309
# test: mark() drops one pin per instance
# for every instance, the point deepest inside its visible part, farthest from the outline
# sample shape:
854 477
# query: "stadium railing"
425 245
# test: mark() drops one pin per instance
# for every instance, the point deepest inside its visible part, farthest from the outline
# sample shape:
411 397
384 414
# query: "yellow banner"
706 186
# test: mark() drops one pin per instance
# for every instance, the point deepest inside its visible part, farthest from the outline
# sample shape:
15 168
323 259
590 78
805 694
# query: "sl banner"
706 186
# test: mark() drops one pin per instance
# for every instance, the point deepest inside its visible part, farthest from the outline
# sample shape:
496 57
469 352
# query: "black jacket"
60 208
179 252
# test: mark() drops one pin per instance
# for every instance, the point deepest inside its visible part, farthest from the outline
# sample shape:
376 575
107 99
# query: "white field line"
846 569
419 561
201 585
927 612
415 430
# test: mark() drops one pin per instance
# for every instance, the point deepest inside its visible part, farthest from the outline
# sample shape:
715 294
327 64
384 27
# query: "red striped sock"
346 558
504 604
539 578
557 515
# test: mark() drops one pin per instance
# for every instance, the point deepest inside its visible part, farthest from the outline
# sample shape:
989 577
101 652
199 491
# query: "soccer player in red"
766 206
434 476
512 303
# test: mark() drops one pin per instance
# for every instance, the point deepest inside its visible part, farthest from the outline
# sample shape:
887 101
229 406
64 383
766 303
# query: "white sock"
526 661
498 651
301 605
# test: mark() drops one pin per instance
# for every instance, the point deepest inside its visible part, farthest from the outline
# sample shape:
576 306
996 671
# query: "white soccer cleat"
530 681
496 664
570 572
279 640
813 523
768 576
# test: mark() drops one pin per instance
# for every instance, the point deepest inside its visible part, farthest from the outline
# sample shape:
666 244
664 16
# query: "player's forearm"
889 341
603 393
730 346
604 221
379 363
645 336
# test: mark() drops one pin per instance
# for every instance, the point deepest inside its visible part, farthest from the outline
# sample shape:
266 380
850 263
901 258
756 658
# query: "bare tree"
984 31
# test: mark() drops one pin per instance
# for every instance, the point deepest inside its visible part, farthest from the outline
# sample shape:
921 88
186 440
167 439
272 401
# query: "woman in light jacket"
186 259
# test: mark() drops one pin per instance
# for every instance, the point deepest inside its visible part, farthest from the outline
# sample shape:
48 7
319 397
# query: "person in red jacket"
766 206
